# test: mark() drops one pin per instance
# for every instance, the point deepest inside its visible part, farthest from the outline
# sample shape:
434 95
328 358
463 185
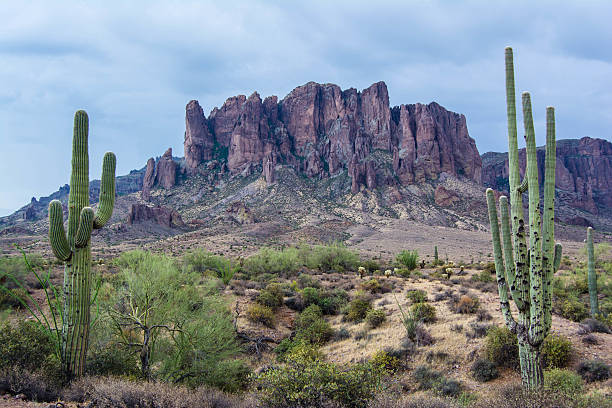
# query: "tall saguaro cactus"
592 276
75 247
528 270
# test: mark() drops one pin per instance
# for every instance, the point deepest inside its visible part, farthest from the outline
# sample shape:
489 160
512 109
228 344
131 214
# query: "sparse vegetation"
408 259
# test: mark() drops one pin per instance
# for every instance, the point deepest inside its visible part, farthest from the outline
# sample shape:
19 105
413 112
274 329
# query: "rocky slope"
583 177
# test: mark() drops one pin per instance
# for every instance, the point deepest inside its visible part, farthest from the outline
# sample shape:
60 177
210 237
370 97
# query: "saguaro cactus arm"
85 226
57 234
107 191
557 260
502 286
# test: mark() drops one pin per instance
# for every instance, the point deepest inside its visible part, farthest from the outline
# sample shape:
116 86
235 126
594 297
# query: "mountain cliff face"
321 130
583 177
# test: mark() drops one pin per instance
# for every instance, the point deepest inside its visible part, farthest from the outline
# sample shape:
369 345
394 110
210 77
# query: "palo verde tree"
528 269
74 248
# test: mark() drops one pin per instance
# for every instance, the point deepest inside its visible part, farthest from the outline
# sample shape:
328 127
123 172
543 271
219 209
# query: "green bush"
371 265
556 351
484 370
272 261
563 381
594 370
408 259
312 328
258 313
311 296
10 298
201 261
112 360
417 296
271 296
484 276
307 281
385 361
358 309
375 317
307 382
332 301
424 312
372 286
501 347
26 345
573 309
426 377
333 258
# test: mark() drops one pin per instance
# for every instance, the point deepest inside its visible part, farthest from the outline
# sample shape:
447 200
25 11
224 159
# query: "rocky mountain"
322 130
349 151
583 176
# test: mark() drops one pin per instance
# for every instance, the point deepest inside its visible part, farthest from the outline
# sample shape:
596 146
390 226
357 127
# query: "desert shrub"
477 330
424 312
311 327
115 392
311 296
331 302
449 387
341 334
483 315
34 385
573 309
111 360
485 276
556 351
358 308
408 259
501 347
201 262
271 296
26 345
277 262
14 268
417 296
426 377
422 336
594 325
371 286
562 381
307 281
333 258
10 298
260 314
390 400
467 304
375 317
385 361
484 370
371 265
307 382
594 370
295 302
590 340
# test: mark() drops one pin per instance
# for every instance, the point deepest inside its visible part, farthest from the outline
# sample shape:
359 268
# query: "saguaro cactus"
592 275
435 255
75 248
527 270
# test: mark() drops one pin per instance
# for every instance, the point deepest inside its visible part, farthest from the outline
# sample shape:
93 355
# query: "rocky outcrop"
445 197
583 176
165 173
149 180
164 216
269 165
432 140
238 212
199 142
321 130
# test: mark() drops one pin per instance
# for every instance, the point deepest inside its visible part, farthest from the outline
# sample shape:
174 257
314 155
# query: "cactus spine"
592 275
74 248
528 270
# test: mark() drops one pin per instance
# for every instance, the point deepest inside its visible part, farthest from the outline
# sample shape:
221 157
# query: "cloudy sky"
134 65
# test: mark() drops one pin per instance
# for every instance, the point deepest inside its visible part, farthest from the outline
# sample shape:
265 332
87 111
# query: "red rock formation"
432 140
444 197
149 180
319 129
269 172
199 142
166 170
160 215
583 175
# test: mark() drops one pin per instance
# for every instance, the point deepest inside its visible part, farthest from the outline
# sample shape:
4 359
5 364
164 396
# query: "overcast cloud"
134 65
